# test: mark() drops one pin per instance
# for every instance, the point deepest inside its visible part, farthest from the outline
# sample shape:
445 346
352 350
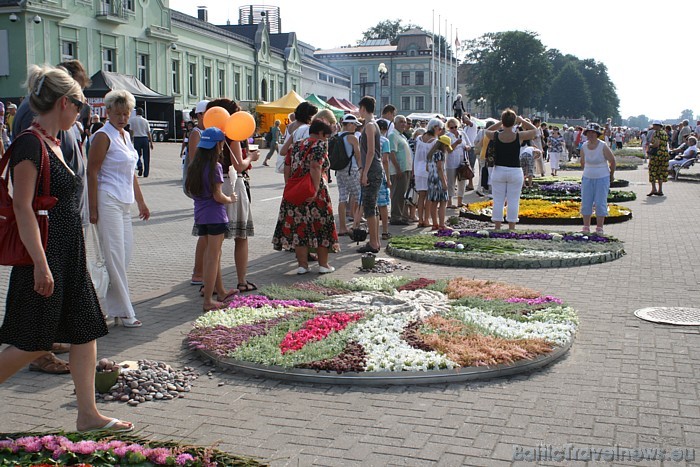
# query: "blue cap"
210 137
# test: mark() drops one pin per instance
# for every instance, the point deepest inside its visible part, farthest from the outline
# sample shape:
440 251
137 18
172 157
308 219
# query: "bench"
685 165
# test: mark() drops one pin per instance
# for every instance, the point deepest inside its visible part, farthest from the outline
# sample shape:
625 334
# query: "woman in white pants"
112 189
507 180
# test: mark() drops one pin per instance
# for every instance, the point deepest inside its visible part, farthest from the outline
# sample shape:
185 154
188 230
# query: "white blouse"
116 176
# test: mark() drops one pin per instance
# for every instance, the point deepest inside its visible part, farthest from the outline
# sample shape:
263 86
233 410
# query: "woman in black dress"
53 300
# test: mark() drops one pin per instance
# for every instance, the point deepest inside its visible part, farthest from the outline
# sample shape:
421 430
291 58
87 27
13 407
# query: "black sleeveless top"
508 154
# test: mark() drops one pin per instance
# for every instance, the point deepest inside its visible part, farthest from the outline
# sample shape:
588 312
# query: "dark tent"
157 107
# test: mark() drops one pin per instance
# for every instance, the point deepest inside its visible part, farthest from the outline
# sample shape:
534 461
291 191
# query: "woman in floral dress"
310 224
658 159
437 181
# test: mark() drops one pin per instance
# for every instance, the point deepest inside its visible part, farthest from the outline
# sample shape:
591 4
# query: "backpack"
268 137
337 154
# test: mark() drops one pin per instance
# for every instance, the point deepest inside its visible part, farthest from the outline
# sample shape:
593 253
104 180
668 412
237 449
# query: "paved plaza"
625 382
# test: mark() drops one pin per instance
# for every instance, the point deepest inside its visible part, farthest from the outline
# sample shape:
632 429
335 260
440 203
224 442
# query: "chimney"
202 13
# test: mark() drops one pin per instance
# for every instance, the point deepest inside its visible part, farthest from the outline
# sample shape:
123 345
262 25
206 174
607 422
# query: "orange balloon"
216 117
240 126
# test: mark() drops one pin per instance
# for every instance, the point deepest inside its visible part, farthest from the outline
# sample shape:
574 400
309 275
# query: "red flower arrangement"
317 329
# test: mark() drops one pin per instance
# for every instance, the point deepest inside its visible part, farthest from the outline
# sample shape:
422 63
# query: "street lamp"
447 100
480 104
382 70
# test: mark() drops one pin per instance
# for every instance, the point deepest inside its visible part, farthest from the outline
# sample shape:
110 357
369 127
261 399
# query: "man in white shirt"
143 142
470 131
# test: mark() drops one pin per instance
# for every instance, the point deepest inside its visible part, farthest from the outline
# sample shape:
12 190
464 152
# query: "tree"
687 114
509 68
386 29
640 121
605 102
568 93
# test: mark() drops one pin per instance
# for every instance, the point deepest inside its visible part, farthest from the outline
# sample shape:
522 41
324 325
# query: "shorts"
348 185
370 192
211 229
527 163
383 197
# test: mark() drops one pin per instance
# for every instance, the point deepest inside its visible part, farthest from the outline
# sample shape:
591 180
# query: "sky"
645 54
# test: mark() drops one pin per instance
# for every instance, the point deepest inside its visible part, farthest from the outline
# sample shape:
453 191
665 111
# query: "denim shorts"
211 229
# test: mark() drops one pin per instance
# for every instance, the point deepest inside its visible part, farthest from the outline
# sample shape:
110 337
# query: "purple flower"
536 301
183 459
159 455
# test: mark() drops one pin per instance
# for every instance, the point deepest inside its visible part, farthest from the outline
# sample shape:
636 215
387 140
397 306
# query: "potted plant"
368 260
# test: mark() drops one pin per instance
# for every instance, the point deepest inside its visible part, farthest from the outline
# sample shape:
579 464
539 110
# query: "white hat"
593 127
201 107
657 122
350 118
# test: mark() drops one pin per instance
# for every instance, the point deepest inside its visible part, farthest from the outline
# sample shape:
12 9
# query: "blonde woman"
112 189
53 299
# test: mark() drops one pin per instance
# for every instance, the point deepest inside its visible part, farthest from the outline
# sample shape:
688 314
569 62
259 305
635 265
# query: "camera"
14 18
37 19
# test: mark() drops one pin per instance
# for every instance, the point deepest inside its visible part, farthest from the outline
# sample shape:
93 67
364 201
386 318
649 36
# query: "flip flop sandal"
214 306
247 287
231 293
110 427
50 364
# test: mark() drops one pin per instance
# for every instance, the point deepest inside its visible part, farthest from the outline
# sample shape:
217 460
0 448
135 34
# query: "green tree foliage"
389 29
509 68
604 100
640 121
687 114
568 93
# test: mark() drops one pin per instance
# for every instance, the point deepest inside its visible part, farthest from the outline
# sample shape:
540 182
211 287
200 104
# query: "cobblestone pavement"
625 382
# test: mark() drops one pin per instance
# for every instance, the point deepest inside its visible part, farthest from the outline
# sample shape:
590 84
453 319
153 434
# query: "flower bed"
546 212
570 191
618 166
617 183
391 330
102 449
506 249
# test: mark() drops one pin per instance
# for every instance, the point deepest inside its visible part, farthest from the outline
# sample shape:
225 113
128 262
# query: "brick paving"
625 381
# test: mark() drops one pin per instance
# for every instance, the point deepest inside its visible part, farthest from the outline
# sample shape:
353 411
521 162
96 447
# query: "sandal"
247 287
51 364
652 193
196 281
110 427
229 295
214 306
386 235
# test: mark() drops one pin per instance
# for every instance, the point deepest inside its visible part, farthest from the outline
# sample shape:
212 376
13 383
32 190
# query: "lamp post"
382 70
480 104
447 100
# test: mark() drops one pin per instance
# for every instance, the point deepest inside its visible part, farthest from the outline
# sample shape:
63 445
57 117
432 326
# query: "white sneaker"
302 270
328 270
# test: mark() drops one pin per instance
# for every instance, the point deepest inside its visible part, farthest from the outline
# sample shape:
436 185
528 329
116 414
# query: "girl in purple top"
203 183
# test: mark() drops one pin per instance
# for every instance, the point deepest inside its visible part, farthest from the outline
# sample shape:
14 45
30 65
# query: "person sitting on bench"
691 152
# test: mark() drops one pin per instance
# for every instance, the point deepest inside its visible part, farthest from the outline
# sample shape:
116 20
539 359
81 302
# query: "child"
383 199
204 180
437 181
556 149
528 154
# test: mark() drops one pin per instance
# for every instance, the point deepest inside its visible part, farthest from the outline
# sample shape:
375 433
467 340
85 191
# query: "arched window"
263 90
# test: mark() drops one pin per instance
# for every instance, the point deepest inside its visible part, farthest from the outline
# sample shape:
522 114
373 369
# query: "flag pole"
432 67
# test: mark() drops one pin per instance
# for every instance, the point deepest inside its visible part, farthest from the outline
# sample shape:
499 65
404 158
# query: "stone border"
621 166
382 378
548 220
449 258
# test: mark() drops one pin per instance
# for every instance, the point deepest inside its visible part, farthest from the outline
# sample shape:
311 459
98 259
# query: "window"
67 50
419 78
249 88
323 77
280 89
420 104
272 90
363 77
222 83
176 76
405 103
405 78
108 59
237 86
128 5
142 68
193 79
207 81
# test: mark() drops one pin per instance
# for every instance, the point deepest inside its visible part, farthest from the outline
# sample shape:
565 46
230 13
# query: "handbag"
97 267
464 171
279 164
299 187
411 196
12 250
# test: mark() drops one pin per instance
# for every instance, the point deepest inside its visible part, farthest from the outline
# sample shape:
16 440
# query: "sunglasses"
78 103
452 127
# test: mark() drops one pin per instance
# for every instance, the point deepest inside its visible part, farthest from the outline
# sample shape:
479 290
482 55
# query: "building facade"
408 75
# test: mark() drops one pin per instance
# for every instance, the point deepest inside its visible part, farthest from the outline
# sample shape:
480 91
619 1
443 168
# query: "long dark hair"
194 183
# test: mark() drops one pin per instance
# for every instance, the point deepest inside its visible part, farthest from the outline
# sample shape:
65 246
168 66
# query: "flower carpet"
371 329
617 183
570 191
619 165
536 211
100 449
506 249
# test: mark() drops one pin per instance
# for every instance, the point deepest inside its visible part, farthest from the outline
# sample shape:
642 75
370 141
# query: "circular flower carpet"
617 183
387 330
570 191
506 249
536 211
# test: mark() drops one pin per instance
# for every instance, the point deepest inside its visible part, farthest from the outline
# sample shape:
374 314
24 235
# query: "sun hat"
210 137
350 118
13 106
201 107
593 127
444 139
657 122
